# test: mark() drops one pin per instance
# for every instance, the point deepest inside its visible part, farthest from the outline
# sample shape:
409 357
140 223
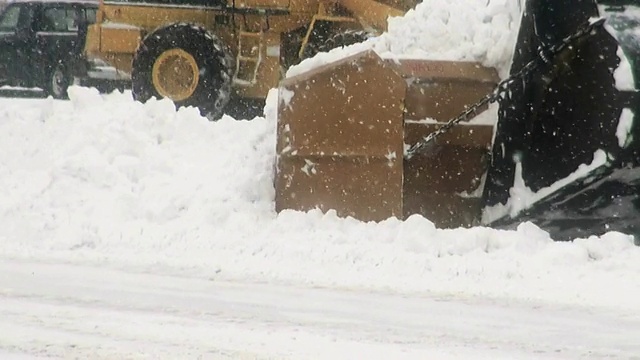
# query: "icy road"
75 311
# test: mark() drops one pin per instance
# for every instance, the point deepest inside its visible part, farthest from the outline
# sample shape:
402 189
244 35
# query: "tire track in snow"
66 310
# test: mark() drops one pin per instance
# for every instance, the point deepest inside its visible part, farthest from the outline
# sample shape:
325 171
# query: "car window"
91 15
59 19
9 19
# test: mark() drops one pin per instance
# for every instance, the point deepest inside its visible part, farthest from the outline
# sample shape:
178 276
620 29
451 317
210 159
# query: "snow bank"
457 30
104 179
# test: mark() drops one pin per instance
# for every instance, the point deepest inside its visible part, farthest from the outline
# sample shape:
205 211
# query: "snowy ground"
102 313
135 231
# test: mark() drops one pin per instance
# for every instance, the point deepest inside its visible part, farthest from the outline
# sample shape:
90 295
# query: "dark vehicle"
41 41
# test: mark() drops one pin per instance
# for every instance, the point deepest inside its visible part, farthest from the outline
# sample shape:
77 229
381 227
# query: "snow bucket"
343 128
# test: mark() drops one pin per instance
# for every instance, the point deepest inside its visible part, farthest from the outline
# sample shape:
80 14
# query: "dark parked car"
41 41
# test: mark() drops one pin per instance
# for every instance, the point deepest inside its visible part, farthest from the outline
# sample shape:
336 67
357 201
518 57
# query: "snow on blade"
522 197
623 131
623 74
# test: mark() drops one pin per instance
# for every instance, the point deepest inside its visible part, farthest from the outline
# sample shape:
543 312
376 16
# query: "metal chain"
545 56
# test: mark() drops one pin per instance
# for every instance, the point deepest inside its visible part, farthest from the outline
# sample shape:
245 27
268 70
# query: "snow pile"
466 30
457 30
106 180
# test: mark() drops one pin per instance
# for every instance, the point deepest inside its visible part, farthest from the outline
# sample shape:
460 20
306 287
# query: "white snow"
103 181
456 30
623 130
285 95
75 311
623 74
487 117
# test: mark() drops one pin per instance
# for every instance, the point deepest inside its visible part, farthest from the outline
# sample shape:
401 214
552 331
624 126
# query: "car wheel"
58 82
186 64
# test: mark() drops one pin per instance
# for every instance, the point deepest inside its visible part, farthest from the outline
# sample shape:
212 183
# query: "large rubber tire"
58 80
339 40
212 85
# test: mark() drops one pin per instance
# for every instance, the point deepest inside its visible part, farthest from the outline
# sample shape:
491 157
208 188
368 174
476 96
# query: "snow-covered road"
81 311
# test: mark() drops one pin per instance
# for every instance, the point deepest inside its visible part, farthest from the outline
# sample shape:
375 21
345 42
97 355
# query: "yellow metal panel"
149 17
278 4
371 13
117 40
269 71
340 139
92 43
122 62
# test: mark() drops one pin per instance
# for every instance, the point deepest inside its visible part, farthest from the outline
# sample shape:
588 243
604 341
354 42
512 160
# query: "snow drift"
104 179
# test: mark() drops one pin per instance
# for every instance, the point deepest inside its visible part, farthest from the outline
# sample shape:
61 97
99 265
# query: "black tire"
339 40
213 87
58 80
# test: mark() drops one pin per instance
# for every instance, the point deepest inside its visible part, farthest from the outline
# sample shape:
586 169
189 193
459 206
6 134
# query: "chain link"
545 56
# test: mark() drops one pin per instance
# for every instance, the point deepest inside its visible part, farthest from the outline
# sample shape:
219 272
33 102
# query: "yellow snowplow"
555 143
200 52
